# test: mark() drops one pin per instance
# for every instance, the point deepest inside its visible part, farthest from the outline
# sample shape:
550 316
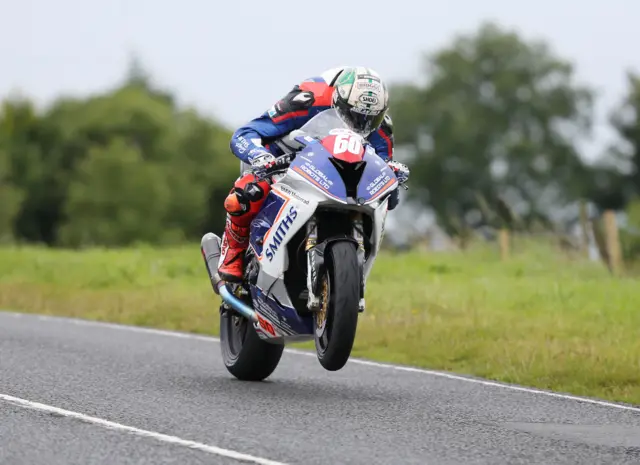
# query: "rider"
360 97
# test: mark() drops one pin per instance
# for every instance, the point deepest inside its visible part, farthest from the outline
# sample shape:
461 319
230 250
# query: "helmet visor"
361 122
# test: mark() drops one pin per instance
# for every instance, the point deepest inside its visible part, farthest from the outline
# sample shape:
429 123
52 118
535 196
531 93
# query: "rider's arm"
382 139
289 113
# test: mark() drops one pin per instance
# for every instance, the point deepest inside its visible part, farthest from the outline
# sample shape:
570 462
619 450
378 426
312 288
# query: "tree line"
494 134
496 125
123 167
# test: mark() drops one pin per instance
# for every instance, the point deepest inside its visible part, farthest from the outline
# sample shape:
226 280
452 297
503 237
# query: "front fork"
358 235
315 260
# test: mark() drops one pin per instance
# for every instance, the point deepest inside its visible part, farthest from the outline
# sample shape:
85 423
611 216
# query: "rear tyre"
245 355
337 320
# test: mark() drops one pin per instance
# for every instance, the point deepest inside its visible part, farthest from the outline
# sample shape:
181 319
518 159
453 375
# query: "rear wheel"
246 356
337 320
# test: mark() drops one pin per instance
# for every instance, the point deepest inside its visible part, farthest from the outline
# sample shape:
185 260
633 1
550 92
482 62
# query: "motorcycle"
311 249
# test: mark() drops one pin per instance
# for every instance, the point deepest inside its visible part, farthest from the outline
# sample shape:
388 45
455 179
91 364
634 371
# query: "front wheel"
337 320
246 356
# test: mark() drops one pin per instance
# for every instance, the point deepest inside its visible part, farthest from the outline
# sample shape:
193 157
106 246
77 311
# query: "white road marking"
139 432
387 366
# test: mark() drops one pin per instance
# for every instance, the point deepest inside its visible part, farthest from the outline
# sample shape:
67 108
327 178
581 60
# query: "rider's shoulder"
327 77
322 86
331 75
312 94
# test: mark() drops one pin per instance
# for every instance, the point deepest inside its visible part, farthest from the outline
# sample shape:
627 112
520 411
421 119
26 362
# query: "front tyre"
337 320
245 355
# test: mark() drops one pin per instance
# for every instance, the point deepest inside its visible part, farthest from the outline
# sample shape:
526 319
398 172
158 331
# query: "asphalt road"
86 393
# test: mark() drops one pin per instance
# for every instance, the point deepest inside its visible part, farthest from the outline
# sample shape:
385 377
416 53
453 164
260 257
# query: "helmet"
361 99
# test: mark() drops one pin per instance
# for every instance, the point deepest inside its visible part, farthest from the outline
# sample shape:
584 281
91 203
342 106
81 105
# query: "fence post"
612 240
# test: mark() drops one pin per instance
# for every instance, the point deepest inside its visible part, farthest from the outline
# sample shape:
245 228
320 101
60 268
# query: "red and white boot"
235 241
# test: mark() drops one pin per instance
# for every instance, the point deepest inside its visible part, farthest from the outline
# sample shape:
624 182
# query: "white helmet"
361 99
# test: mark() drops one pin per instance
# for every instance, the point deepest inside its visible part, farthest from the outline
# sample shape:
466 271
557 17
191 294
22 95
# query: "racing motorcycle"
311 249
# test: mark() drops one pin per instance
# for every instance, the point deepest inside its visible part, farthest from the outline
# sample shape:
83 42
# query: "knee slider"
253 192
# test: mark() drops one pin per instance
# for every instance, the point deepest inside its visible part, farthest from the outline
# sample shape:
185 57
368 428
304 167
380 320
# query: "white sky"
234 59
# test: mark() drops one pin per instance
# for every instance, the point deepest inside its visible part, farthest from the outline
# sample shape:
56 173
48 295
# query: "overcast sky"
234 58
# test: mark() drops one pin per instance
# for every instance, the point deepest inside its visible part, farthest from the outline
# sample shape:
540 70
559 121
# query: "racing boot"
235 241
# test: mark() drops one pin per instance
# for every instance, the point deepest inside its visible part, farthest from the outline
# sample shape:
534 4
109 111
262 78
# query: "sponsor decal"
378 183
317 175
279 234
266 309
290 192
242 144
366 111
369 76
265 325
369 99
338 131
371 86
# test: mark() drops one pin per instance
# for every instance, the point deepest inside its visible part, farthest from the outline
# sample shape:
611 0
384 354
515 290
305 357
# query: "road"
74 392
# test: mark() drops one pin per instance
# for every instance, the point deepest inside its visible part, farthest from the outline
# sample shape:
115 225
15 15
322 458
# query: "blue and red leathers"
243 203
300 105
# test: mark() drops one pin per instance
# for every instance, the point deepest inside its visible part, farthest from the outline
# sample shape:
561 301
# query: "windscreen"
320 125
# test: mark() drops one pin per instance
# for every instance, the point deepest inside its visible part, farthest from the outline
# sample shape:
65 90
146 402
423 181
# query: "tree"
498 117
620 180
23 170
116 198
126 165
10 199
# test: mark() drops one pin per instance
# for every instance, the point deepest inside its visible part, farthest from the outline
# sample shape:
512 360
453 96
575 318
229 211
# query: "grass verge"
540 320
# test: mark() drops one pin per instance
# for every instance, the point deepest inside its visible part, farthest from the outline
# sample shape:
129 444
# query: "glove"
261 160
401 171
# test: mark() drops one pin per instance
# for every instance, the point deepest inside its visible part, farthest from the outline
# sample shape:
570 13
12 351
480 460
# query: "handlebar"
281 165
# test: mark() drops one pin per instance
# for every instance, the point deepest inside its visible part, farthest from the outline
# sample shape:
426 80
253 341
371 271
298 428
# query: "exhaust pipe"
210 248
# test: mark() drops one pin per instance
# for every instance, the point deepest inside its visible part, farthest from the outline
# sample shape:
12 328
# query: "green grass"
541 319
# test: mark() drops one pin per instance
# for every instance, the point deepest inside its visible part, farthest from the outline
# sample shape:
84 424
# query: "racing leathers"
251 144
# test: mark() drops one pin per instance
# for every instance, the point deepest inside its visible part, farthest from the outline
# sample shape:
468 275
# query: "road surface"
74 392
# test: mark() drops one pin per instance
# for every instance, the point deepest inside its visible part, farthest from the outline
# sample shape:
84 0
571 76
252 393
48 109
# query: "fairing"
311 181
313 163
377 180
